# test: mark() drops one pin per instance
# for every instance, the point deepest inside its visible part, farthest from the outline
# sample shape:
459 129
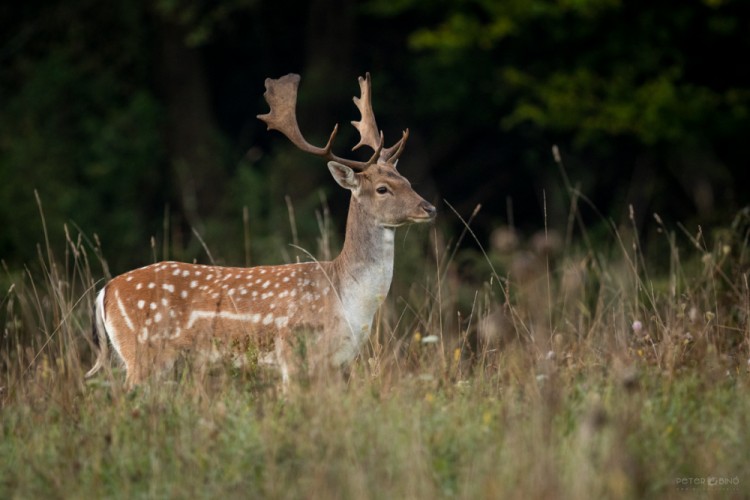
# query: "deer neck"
366 258
364 268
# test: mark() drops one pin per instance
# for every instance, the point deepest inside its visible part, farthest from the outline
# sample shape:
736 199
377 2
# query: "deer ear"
344 175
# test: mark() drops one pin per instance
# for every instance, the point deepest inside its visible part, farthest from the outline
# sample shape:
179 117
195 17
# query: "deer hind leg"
136 369
133 378
147 361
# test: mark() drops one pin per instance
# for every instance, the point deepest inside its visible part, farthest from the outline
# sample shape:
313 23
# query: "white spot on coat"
281 321
143 336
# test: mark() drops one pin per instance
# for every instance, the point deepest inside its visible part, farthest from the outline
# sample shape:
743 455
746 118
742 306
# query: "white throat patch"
362 294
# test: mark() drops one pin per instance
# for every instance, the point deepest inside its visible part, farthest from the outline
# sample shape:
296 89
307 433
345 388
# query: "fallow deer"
152 314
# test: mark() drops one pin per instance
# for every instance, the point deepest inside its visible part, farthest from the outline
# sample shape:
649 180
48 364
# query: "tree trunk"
190 128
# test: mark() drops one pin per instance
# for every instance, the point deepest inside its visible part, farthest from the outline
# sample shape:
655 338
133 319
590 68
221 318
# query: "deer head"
376 185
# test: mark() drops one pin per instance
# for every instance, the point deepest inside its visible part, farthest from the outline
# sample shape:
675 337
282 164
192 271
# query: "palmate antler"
368 129
281 95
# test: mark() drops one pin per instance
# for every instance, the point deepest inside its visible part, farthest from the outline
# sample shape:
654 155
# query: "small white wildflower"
637 326
430 339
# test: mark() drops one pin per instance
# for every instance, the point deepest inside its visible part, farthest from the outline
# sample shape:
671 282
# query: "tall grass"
527 369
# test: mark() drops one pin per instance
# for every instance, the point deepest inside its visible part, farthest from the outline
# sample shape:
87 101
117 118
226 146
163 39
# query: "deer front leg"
283 351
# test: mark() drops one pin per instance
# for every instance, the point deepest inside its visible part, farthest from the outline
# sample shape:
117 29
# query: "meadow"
578 364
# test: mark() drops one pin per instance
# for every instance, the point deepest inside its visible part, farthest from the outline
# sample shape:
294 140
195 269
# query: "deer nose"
428 209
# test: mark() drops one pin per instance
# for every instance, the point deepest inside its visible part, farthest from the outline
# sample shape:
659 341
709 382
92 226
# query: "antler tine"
391 154
329 144
367 127
281 95
377 154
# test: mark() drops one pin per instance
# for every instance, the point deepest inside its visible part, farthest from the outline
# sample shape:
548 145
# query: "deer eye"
382 190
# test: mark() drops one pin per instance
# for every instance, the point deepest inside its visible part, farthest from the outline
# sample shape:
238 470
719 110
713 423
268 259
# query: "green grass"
537 386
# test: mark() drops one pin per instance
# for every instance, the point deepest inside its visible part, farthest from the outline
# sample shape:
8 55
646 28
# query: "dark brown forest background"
136 119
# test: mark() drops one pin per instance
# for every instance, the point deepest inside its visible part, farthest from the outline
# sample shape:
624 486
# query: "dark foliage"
137 118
